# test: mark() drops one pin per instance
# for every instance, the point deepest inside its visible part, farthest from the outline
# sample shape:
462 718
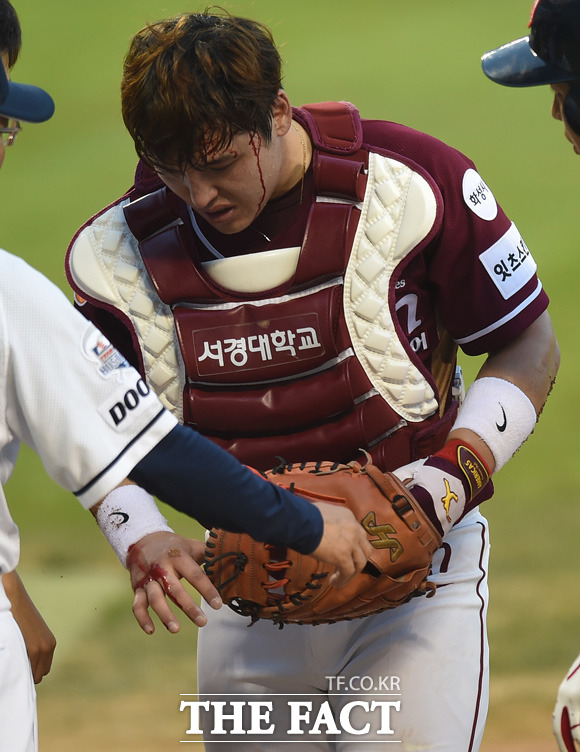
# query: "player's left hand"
566 715
156 564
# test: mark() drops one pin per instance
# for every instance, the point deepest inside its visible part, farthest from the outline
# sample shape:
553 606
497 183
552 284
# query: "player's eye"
221 166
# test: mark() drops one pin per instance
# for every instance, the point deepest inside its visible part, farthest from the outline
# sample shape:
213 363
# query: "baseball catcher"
297 281
269 582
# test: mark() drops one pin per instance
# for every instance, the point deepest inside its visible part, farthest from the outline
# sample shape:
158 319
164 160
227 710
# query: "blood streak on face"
256 149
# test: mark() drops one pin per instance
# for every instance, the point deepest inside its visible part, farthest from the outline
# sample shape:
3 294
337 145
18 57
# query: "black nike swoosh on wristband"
123 515
504 424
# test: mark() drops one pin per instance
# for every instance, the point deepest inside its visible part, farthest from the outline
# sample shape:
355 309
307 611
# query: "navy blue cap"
23 101
549 55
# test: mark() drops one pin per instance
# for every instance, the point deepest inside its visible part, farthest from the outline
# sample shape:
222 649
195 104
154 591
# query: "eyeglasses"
9 129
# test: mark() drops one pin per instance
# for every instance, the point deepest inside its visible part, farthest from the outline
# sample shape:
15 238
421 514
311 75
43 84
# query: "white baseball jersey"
68 394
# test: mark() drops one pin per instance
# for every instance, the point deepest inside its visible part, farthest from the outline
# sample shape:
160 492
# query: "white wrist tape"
126 515
500 414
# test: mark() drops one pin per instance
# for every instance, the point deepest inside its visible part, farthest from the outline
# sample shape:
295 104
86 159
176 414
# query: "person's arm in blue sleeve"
195 476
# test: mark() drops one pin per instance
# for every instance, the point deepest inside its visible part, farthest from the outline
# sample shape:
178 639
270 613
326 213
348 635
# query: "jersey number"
410 303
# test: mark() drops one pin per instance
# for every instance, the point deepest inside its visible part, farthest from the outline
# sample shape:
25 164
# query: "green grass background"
416 62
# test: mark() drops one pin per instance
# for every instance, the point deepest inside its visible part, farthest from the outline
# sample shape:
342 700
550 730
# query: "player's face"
234 187
560 92
238 181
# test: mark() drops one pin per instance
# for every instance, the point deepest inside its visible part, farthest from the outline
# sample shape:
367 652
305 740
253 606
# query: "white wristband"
500 414
126 515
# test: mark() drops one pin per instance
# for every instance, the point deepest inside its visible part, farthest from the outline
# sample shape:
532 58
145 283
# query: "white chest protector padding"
105 262
397 213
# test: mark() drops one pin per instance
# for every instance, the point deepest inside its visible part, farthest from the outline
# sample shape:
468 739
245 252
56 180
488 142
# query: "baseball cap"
549 54
23 101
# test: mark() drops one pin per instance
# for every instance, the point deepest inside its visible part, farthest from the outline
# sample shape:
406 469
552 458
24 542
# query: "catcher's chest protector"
315 364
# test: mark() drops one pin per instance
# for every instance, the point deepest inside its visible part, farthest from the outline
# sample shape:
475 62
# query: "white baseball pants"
424 665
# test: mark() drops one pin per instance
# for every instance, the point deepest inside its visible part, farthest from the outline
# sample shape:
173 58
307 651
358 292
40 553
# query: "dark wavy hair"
10 33
191 83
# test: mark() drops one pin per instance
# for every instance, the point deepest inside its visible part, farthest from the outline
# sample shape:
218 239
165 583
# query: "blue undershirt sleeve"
197 477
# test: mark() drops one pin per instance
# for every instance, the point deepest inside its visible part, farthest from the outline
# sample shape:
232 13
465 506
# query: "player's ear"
281 114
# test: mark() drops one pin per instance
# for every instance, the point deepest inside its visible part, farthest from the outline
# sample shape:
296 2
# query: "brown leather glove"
269 582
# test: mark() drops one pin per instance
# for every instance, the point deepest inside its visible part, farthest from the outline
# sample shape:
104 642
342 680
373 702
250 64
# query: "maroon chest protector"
274 374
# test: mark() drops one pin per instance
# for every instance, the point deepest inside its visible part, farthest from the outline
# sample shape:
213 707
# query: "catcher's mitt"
269 582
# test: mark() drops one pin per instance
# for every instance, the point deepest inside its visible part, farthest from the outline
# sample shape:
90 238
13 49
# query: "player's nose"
200 189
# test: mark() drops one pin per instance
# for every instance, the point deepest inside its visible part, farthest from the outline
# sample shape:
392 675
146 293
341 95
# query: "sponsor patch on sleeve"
97 348
125 407
478 196
509 263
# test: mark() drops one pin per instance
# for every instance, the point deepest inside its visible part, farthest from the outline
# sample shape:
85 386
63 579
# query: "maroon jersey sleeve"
476 277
